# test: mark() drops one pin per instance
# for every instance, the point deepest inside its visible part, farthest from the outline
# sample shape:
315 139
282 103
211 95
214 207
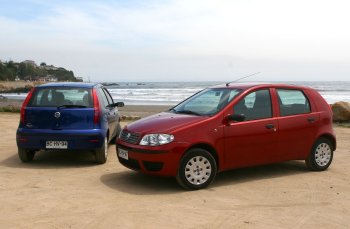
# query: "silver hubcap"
198 170
323 154
106 147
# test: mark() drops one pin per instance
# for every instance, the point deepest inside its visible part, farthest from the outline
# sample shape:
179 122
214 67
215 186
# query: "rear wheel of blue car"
197 169
101 154
26 155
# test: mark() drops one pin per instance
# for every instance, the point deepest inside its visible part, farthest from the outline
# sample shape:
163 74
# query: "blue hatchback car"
68 116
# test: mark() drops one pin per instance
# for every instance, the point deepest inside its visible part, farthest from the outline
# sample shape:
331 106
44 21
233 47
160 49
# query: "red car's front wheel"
197 169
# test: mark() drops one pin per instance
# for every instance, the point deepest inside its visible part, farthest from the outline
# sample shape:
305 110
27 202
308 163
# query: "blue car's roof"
69 84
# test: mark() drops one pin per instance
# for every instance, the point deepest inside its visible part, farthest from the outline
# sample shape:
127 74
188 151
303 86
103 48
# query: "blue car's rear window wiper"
71 106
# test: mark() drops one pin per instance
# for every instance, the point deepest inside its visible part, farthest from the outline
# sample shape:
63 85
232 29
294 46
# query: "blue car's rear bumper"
77 139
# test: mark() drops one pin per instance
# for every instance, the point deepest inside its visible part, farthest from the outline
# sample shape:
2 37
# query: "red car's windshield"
207 102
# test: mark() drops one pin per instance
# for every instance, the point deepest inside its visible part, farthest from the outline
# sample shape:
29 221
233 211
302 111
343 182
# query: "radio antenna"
228 84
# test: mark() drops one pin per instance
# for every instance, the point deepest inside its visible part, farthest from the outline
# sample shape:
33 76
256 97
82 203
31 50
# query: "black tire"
26 155
321 155
197 169
102 153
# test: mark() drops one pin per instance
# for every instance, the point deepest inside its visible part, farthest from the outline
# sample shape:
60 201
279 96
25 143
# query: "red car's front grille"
129 137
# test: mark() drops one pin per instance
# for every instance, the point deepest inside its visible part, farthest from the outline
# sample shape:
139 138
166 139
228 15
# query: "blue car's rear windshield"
56 97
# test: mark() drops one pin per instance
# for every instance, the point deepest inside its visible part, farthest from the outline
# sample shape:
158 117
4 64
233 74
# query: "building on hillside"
49 67
48 78
28 78
79 79
29 62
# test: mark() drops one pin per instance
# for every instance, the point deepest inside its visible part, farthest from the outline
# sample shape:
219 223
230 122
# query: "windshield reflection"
207 102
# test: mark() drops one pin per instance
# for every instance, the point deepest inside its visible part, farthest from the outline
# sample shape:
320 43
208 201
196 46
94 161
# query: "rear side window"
54 97
102 97
109 98
292 102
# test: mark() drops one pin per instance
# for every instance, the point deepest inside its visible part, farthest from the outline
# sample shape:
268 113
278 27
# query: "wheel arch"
208 148
331 138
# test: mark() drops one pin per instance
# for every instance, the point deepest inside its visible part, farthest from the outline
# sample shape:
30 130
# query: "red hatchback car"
231 126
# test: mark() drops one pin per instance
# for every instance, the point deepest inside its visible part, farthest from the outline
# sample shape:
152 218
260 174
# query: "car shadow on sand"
53 159
137 183
262 172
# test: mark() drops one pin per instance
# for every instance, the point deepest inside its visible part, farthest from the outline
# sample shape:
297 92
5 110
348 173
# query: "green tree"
11 74
10 64
2 72
62 74
22 70
9 71
25 70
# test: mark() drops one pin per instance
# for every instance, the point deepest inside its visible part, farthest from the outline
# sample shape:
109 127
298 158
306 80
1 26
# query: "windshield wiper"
71 106
187 112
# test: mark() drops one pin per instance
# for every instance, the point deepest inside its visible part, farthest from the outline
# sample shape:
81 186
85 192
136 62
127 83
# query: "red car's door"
298 124
254 140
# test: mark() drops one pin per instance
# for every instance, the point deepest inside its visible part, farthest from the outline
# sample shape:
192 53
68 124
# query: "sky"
181 40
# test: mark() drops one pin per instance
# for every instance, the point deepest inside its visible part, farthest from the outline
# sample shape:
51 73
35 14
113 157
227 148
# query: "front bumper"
156 160
77 139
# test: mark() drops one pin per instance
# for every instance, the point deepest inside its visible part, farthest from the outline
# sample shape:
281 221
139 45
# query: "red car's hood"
163 123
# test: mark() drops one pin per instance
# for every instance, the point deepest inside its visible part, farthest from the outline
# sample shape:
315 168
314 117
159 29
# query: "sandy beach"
68 190
141 110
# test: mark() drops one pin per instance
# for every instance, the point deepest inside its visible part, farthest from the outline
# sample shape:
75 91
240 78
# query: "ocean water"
171 93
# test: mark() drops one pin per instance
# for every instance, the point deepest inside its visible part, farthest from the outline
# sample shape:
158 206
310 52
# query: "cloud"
186 37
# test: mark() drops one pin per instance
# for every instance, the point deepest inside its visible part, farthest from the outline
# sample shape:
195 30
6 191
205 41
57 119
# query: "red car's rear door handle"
311 119
270 126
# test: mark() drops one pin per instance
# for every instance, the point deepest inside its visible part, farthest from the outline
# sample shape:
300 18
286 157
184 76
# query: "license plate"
56 144
123 154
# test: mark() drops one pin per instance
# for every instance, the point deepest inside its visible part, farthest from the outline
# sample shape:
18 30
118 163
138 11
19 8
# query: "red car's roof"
244 86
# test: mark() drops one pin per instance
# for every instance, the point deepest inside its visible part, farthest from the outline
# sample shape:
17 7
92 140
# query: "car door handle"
311 119
270 126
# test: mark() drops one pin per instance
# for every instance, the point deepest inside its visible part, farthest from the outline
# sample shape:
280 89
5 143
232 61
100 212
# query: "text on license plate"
123 154
56 144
